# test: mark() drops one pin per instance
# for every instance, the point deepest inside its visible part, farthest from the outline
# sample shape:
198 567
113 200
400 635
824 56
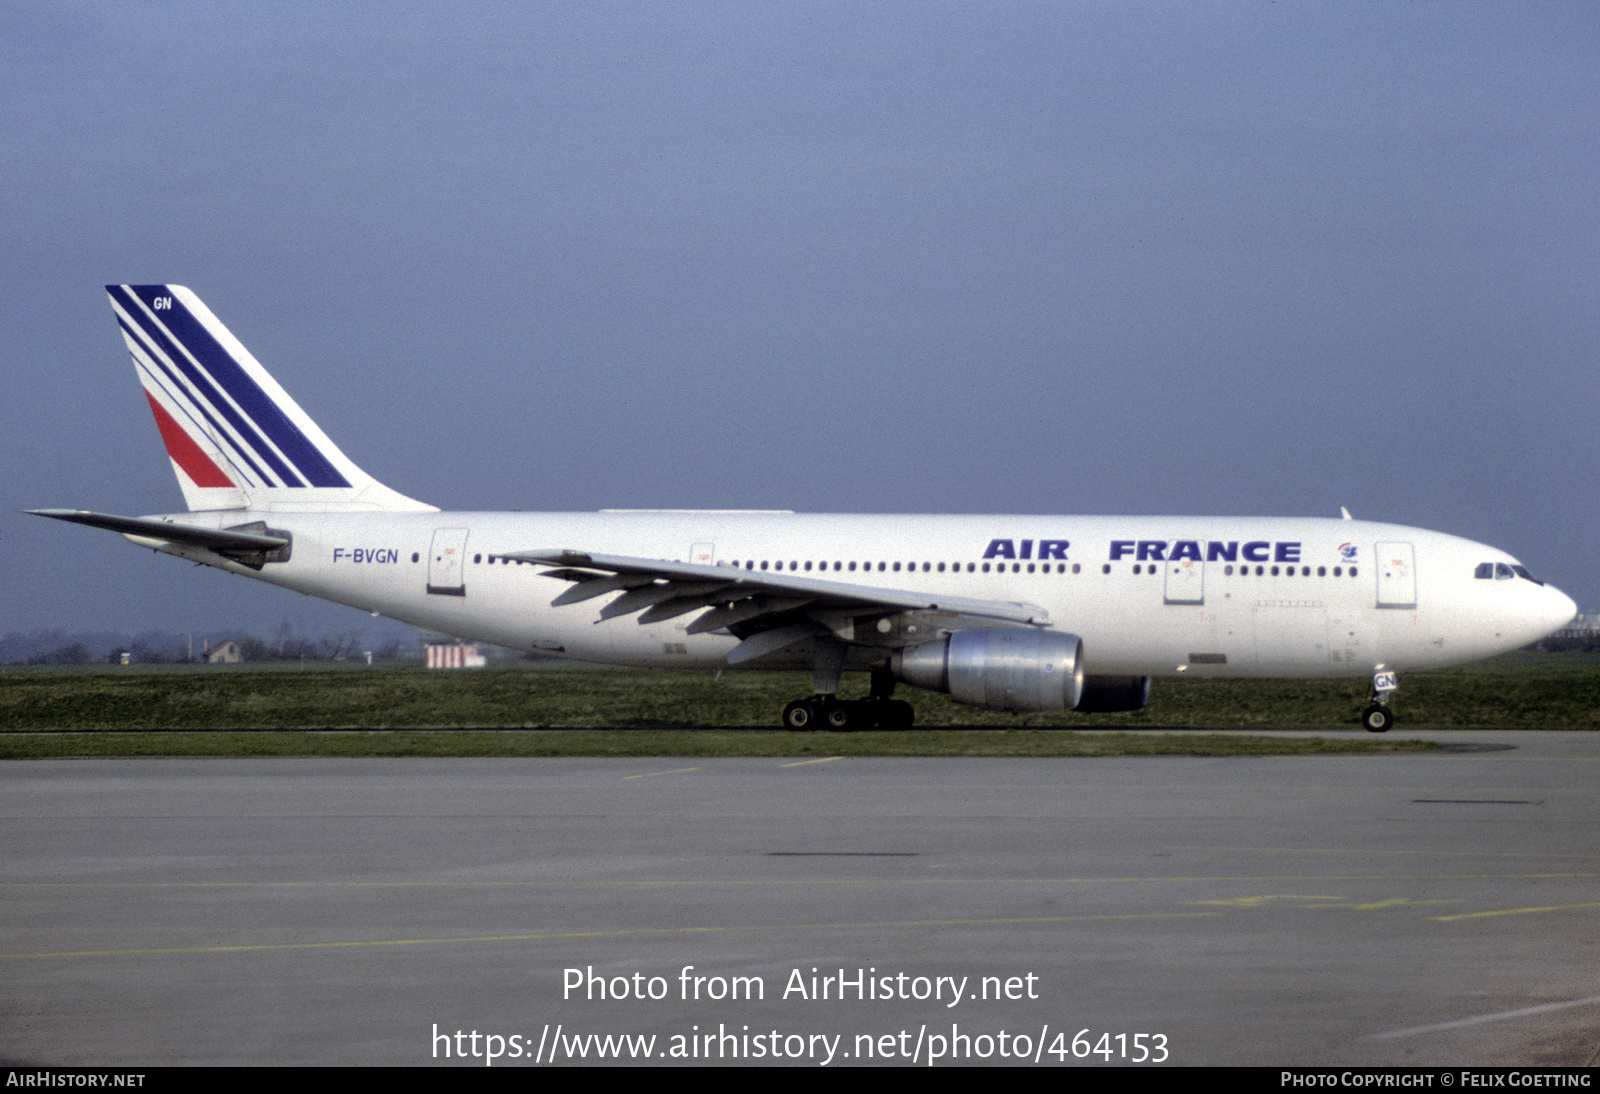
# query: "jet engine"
1001 669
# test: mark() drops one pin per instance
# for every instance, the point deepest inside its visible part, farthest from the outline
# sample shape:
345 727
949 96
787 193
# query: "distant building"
226 652
1584 626
441 656
1581 635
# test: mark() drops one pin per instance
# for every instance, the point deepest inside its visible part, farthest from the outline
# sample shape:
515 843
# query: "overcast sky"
1048 258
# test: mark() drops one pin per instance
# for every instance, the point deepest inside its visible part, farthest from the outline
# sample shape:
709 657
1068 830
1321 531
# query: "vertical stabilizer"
236 439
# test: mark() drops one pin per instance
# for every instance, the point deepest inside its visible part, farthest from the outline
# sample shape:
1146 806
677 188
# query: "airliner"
1011 613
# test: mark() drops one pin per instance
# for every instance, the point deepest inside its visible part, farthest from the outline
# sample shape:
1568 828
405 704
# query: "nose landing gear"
1377 717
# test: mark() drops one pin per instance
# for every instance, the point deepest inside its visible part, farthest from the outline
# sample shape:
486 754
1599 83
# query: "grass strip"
1521 691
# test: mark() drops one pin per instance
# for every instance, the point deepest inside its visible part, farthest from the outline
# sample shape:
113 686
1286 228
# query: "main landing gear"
824 711
843 715
1377 717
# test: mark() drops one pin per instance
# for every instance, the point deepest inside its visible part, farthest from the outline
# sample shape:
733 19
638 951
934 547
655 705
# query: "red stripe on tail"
184 452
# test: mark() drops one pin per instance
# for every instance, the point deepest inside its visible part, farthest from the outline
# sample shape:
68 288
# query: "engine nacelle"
1001 669
1111 694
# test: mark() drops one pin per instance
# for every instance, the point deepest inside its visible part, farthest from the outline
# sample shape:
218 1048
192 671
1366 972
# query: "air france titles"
1051 550
1161 550
1156 550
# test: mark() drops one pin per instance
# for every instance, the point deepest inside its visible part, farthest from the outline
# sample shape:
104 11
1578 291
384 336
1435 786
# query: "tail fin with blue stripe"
236 439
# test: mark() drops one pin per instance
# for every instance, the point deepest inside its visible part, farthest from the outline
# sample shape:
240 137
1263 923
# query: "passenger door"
446 562
1397 575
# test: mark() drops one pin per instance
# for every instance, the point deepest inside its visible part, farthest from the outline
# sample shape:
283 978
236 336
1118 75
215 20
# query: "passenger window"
985 567
1074 567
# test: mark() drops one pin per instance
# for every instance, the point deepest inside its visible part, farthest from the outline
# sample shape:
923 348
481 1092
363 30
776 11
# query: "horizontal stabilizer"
220 540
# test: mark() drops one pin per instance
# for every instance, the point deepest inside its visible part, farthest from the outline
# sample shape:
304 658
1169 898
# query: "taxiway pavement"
1424 908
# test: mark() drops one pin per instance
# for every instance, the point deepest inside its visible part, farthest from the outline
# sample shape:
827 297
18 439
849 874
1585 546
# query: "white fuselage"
1158 596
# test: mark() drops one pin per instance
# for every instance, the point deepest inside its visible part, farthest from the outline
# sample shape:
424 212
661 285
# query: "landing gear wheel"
839 716
800 714
1377 718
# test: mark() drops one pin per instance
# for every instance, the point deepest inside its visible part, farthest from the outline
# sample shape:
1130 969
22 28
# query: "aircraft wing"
769 609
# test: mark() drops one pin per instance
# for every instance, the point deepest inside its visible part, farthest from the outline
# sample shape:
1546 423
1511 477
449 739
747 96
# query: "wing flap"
590 586
648 596
773 641
740 611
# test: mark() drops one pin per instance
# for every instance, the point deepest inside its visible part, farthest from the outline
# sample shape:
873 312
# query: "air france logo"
1347 551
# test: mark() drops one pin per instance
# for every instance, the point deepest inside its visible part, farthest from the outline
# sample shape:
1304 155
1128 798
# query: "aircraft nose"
1560 609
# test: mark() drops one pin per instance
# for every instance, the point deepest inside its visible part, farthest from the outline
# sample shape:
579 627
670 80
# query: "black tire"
800 715
1377 718
840 717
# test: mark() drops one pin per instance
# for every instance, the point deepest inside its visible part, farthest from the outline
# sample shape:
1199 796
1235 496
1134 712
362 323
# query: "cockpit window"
1500 571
